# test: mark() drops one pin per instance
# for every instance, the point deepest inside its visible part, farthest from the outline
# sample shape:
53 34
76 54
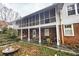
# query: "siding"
68 19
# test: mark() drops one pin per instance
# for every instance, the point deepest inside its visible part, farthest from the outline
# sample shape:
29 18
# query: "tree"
8 14
3 13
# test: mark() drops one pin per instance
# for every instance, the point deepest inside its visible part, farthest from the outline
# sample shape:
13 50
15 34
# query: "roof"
42 10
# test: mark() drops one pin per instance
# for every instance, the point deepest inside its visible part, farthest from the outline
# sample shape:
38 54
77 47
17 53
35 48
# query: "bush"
11 33
4 30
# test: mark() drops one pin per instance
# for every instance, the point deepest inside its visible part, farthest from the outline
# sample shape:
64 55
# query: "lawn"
9 36
28 49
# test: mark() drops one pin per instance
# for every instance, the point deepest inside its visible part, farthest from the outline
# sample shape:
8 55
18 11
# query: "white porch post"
57 26
21 34
28 35
39 35
58 36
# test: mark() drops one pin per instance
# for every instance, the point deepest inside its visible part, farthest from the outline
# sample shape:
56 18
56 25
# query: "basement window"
68 30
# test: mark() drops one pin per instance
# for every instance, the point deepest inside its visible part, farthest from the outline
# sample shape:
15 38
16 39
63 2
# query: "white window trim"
76 8
34 35
76 13
46 32
71 28
75 5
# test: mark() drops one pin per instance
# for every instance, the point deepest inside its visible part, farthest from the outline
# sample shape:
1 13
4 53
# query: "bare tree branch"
8 14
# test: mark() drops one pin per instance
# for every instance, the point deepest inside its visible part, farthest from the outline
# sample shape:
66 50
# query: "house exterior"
58 24
70 21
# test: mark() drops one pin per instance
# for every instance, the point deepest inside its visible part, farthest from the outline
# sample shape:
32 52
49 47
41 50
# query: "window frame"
77 8
72 29
34 33
71 10
46 32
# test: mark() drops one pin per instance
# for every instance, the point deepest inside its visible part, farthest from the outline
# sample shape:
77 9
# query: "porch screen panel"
52 15
42 18
37 19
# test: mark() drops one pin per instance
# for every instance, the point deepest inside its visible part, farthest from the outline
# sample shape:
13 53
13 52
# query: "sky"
27 8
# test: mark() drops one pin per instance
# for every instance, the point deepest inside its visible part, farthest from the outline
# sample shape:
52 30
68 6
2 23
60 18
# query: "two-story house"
59 23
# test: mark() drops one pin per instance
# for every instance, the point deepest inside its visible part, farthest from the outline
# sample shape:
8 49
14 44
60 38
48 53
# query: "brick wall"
37 34
72 39
52 34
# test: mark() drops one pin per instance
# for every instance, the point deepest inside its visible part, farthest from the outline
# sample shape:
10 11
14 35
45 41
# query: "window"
78 8
71 9
34 33
46 32
68 30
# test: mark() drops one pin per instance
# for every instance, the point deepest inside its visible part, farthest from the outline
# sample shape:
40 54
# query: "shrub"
11 33
4 30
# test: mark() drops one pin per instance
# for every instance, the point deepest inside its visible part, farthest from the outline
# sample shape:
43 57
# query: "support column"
28 35
39 35
58 35
21 34
39 32
57 12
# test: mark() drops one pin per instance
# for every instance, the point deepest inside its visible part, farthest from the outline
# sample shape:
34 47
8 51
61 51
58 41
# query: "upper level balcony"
44 17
